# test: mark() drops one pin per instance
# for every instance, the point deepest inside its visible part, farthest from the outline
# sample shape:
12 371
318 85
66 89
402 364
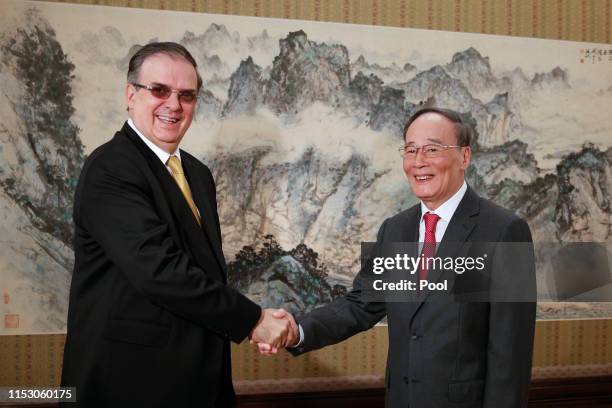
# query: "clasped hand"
276 329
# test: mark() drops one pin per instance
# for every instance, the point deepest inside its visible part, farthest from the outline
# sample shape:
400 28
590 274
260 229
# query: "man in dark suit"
150 315
444 350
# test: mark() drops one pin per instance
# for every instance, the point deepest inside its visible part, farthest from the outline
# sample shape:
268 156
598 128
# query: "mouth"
423 178
167 119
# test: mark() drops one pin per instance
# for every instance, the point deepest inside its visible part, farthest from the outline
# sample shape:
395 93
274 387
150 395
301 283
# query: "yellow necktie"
177 173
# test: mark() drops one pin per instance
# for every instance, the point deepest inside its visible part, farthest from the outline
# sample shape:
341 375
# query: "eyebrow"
429 139
169 87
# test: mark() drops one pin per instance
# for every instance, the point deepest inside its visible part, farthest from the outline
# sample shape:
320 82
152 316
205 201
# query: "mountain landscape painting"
300 123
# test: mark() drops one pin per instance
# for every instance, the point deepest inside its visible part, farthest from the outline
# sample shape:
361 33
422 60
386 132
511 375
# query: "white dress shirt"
159 152
445 212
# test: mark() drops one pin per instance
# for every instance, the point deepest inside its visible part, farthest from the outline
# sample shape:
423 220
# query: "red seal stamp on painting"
11 321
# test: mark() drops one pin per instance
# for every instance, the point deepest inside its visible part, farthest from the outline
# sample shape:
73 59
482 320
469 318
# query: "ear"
466 157
130 94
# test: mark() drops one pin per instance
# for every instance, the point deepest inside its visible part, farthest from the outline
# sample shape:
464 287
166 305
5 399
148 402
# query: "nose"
419 159
173 102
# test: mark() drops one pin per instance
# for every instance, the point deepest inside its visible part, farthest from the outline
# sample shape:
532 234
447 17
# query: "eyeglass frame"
178 92
404 155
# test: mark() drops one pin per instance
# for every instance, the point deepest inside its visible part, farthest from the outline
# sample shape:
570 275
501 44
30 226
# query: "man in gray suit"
443 352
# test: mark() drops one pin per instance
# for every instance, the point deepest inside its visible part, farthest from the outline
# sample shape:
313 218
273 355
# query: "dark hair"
171 49
464 132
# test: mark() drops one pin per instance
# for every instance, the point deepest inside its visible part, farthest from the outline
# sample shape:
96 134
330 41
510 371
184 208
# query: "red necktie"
429 246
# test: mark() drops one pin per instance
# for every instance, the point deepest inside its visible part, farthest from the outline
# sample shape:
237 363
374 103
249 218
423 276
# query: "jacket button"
414 337
406 380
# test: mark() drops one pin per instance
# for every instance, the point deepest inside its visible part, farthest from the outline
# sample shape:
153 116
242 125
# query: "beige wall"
577 20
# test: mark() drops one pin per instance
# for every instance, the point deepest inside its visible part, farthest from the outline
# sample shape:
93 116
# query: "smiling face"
163 122
435 180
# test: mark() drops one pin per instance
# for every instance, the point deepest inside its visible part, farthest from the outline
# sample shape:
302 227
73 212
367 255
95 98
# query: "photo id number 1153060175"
34 394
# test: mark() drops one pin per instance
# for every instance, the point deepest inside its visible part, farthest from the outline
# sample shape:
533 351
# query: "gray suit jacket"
443 352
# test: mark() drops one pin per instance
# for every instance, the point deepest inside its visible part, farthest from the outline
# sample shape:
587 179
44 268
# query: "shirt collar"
159 152
448 208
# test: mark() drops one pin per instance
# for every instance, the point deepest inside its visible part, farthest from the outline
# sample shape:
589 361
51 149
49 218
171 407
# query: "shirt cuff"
301 342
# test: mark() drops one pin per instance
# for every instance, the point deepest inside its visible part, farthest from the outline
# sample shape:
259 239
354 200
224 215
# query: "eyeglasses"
430 151
162 91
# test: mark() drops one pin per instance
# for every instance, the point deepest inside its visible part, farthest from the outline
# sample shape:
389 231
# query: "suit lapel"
411 236
406 231
454 242
410 229
204 204
461 225
193 233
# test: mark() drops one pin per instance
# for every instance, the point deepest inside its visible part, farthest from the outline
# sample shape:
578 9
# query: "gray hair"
171 49
464 131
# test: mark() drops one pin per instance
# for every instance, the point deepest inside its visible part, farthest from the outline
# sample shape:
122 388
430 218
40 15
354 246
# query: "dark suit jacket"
443 352
150 314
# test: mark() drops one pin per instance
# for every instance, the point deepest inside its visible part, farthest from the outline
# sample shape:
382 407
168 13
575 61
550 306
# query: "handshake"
276 329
